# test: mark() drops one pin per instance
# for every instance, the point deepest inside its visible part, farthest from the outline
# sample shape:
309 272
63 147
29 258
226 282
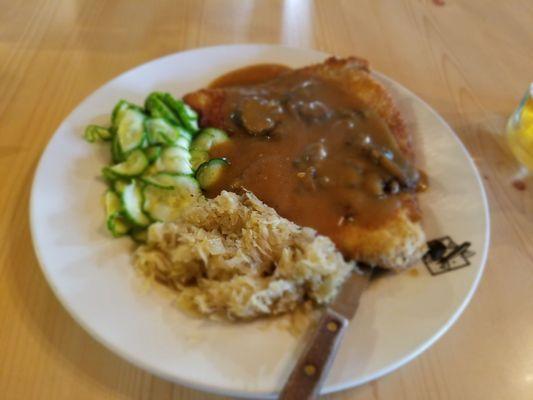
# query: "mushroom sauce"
310 150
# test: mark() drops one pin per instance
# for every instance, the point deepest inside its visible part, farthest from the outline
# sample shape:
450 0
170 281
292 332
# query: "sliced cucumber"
145 144
109 175
187 116
167 204
118 225
112 203
95 133
185 133
118 112
175 159
152 176
159 109
105 133
182 142
210 172
116 153
154 169
115 221
184 138
132 201
164 180
152 153
119 185
130 131
198 157
208 138
139 235
134 165
160 131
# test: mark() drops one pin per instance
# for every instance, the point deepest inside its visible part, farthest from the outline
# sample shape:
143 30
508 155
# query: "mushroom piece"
310 111
315 152
258 116
314 111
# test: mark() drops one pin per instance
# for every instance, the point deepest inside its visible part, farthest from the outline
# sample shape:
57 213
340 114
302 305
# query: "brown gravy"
251 75
310 150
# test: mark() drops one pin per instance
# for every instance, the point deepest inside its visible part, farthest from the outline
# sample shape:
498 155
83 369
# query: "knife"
313 365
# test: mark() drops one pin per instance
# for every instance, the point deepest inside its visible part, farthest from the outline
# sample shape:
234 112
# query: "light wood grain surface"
471 60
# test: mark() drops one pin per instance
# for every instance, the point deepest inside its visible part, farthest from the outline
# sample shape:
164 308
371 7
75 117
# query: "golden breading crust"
394 244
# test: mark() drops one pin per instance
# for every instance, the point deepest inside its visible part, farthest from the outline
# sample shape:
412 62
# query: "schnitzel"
327 148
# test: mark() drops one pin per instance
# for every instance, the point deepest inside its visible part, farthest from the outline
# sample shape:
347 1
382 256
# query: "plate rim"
483 262
247 393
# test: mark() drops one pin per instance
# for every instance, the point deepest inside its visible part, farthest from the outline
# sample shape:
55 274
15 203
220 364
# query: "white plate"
91 274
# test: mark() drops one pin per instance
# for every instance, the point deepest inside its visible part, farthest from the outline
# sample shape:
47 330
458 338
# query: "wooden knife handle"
306 379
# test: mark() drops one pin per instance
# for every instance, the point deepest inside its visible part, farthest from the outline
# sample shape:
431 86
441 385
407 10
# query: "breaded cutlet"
395 243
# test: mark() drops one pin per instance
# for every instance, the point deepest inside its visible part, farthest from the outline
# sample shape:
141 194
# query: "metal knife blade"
347 300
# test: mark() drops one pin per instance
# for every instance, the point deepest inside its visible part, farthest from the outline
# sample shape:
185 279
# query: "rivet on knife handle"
313 365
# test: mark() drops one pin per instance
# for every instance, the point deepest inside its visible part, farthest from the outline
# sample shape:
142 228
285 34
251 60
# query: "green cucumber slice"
182 142
185 133
119 185
130 131
152 153
210 172
115 221
175 136
158 108
118 112
118 225
187 116
168 204
109 175
165 180
160 131
116 153
134 165
175 159
198 157
95 133
208 138
183 139
132 201
112 203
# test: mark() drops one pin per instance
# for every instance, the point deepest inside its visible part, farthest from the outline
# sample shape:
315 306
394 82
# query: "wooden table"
470 59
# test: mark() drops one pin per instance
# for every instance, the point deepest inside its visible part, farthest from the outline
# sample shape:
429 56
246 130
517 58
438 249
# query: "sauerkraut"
233 257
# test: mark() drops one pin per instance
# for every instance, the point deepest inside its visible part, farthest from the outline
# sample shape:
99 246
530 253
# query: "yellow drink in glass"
520 131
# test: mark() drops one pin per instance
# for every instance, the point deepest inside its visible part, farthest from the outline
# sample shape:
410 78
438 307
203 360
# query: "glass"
520 131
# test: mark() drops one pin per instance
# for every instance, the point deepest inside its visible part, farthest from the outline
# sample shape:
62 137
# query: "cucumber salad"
159 162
